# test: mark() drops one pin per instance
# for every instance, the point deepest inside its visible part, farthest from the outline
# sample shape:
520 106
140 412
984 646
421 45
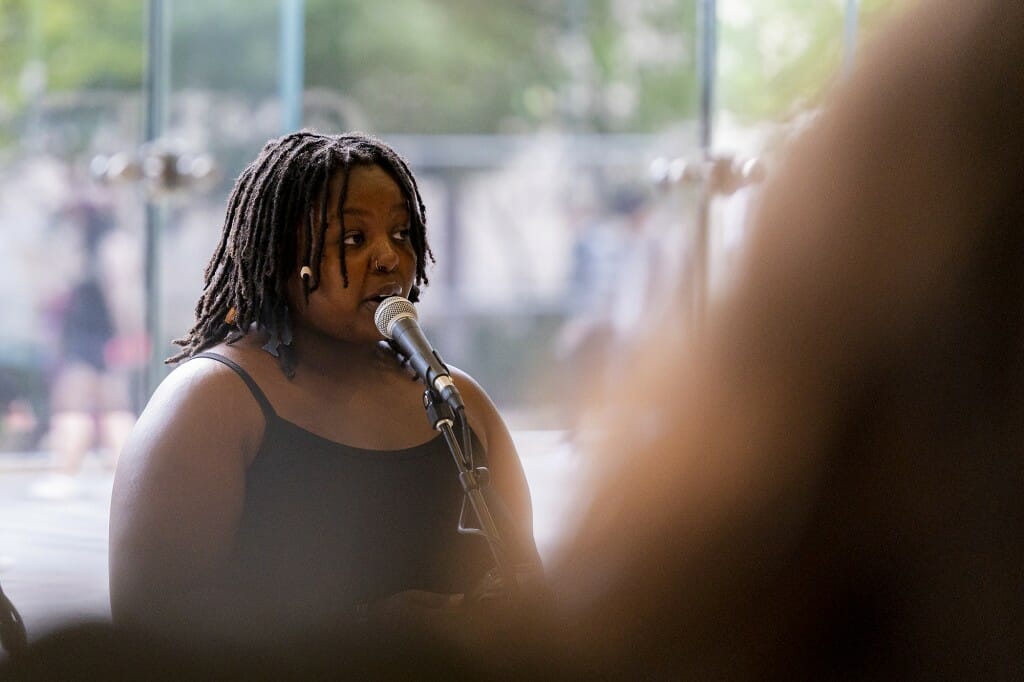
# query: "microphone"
396 319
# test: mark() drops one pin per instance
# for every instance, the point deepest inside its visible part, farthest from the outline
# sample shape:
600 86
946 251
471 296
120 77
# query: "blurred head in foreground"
827 479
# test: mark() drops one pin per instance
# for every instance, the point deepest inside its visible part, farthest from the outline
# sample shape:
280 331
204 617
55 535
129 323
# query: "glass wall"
223 101
116 159
72 342
70 85
532 125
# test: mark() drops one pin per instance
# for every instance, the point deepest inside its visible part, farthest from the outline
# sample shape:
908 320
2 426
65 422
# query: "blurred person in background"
90 401
286 480
610 279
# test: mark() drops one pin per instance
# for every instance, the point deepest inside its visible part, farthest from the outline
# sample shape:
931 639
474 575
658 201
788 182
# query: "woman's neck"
338 360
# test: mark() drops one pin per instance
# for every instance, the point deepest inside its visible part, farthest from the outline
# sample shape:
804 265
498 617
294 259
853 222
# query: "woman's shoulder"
205 396
209 383
241 358
472 392
483 415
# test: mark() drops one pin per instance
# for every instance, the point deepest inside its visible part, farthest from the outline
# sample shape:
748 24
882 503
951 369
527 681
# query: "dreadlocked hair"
244 282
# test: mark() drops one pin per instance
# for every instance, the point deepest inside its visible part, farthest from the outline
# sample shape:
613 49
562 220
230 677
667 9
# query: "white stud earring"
306 272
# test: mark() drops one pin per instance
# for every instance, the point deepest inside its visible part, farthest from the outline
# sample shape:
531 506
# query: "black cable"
467 441
13 636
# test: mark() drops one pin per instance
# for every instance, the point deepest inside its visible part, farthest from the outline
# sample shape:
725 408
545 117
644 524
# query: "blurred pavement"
53 554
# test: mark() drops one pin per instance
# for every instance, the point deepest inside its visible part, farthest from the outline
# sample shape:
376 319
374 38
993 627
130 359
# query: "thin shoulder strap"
257 392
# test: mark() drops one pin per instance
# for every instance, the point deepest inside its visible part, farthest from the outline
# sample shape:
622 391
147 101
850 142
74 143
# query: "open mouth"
373 302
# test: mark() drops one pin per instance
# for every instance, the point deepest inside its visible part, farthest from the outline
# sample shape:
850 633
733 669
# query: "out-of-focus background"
579 159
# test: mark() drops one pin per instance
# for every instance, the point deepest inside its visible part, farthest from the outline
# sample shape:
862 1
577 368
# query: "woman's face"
379 258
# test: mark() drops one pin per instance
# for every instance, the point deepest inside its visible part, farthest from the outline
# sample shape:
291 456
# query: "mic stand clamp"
473 480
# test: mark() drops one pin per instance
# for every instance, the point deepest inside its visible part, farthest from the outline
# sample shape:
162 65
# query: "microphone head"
391 310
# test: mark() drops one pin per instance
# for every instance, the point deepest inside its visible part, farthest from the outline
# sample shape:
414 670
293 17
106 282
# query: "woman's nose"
385 259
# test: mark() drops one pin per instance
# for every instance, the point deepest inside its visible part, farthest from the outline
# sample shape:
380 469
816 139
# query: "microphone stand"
473 480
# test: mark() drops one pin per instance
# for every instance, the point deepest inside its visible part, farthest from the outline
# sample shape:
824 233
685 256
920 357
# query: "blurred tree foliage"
224 45
447 66
775 57
483 67
432 67
53 47
778 57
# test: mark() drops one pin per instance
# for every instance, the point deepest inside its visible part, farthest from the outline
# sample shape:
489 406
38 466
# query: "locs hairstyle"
245 279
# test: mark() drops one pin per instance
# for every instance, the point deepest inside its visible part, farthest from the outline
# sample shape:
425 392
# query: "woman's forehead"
369 187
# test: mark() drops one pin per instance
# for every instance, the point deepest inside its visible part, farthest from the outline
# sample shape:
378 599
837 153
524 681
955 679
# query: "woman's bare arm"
178 496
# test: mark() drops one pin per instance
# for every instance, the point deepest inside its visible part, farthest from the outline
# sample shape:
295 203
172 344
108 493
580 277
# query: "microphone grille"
389 311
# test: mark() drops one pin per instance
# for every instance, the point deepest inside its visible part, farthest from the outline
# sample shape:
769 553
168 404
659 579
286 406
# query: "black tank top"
327 526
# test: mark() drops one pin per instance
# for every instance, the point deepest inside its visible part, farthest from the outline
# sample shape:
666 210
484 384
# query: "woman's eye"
402 234
353 239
